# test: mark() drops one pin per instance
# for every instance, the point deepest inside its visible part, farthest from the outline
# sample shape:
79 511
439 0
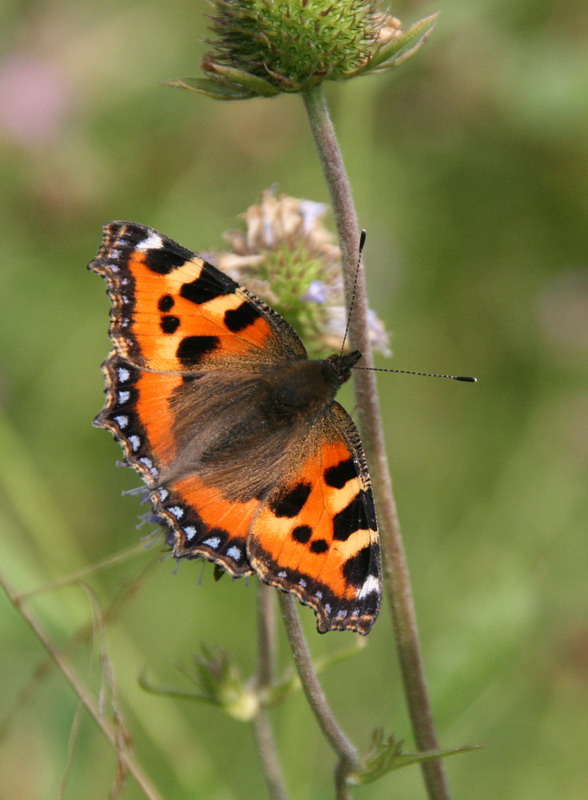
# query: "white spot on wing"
213 542
234 552
122 421
163 494
123 374
190 532
282 574
135 443
152 242
176 511
370 585
123 397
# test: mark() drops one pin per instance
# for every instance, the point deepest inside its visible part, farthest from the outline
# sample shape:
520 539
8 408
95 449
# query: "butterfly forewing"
173 311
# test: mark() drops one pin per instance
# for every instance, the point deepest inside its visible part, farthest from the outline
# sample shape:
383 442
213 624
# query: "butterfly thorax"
303 388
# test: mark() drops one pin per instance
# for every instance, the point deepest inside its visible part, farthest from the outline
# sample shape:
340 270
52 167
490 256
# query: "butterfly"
248 459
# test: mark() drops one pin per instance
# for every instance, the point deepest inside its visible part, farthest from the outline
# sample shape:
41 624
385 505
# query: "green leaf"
400 50
387 755
216 89
237 78
167 691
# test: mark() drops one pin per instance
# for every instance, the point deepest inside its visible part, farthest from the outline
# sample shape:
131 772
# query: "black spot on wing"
163 260
290 503
354 517
302 533
166 302
207 286
169 323
237 319
342 472
192 348
319 546
357 568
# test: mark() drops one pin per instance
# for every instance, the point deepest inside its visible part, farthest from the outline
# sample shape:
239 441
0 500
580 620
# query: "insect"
249 460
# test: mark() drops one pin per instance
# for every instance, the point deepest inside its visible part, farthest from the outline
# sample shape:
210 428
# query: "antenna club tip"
362 238
466 379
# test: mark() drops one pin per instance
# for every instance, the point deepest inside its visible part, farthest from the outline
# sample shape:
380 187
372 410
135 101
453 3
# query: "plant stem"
348 758
264 738
266 650
82 692
396 574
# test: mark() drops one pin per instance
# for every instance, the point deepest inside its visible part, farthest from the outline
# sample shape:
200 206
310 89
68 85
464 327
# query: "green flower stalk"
265 47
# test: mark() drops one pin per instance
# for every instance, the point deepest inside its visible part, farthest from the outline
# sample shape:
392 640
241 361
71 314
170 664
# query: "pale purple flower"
34 99
379 336
311 211
317 292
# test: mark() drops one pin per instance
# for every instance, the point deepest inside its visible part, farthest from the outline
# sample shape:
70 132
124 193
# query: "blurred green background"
469 167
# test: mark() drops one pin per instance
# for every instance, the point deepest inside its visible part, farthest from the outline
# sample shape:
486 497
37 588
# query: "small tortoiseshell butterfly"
248 458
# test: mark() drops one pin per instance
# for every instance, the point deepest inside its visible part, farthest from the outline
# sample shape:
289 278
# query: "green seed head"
264 47
294 43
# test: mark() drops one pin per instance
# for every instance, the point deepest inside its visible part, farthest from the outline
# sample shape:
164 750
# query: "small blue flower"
311 211
317 292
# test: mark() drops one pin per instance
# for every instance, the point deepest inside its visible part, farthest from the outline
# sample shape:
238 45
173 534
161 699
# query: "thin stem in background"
266 657
396 574
82 693
84 634
348 757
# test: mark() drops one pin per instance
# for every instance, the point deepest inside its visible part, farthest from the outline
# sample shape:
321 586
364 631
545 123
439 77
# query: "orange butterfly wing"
183 386
316 535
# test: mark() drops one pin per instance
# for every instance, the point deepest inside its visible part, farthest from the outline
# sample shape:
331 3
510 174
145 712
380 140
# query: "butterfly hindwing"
316 535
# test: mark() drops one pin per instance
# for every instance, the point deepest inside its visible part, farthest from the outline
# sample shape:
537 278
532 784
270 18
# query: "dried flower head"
287 257
264 47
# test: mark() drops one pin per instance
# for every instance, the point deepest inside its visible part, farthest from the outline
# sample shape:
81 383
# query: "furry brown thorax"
304 386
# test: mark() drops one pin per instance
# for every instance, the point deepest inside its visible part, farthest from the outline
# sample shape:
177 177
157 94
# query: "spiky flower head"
287 256
264 47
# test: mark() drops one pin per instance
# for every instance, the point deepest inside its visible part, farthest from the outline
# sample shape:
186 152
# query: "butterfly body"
249 459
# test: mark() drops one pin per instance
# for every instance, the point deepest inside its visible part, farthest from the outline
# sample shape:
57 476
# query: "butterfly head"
342 365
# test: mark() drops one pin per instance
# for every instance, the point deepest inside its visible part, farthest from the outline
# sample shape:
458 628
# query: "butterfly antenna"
362 237
423 374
